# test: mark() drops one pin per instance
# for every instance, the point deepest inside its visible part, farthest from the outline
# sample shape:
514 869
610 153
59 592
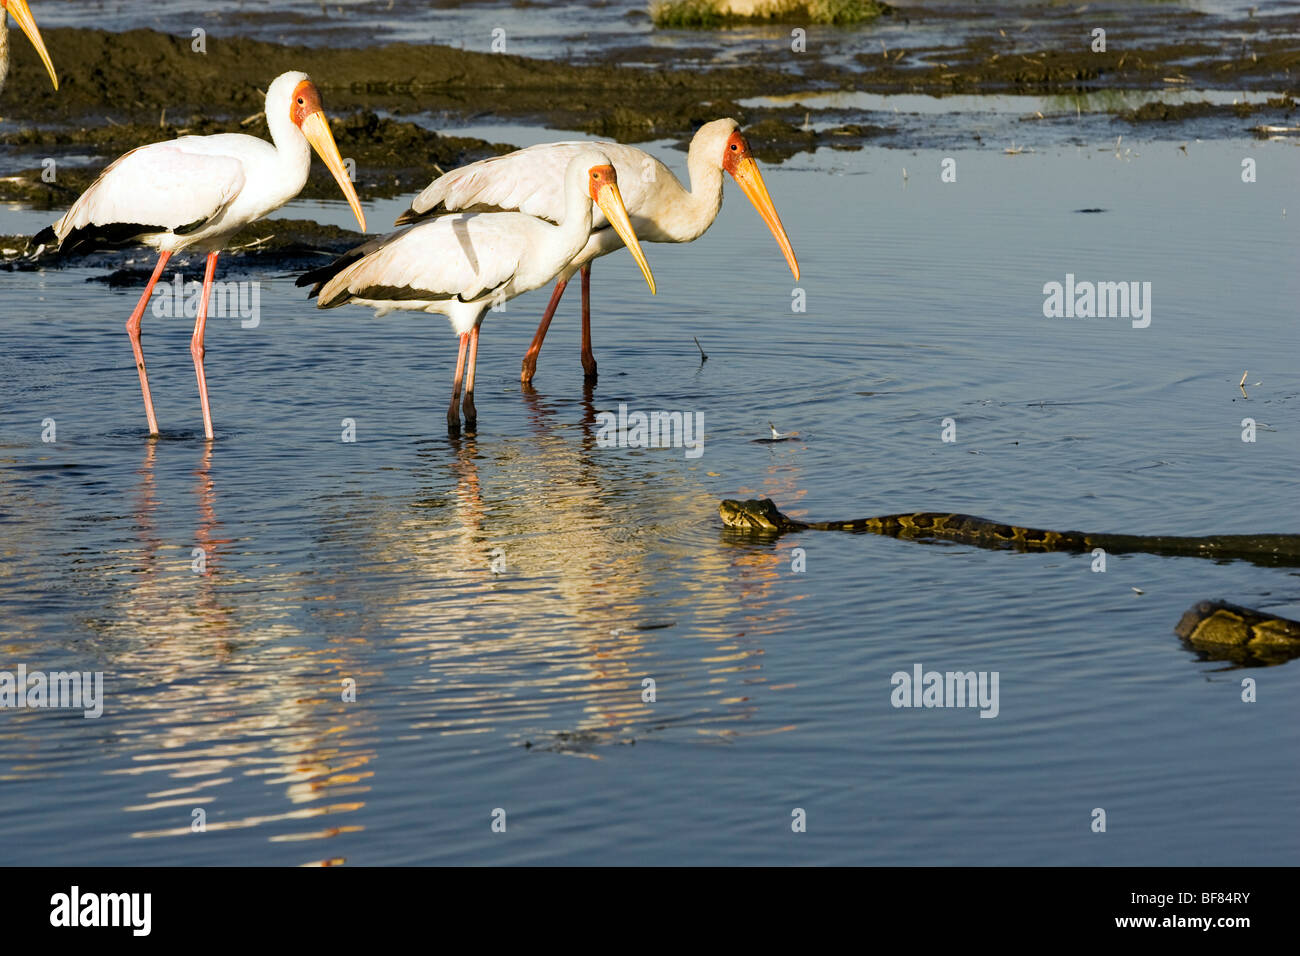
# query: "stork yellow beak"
317 130
610 201
23 15
751 181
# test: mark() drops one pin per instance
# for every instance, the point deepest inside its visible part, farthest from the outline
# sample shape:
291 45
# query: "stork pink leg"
530 357
588 359
453 413
196 344
133 330
471 413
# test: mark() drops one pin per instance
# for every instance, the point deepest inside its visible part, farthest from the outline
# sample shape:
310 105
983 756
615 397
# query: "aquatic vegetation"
710 14
698 14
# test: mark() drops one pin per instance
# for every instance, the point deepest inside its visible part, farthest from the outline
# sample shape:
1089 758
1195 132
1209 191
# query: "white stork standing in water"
195 192
23 15
661 209
460 265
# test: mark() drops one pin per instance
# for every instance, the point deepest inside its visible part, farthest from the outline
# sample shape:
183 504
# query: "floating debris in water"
777 436
651 625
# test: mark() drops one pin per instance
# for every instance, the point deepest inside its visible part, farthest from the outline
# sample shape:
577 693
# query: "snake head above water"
756 514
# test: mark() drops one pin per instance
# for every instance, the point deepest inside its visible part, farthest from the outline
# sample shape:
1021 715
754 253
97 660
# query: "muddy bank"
1064 63
119 91
133 77
1276 108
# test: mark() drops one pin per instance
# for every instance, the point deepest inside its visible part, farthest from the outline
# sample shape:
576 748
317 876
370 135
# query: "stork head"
723 144
23 15
602 187
297 95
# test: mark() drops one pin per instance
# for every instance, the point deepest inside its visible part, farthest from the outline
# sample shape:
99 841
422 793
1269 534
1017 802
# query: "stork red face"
309 116
739 162
24 17
602 186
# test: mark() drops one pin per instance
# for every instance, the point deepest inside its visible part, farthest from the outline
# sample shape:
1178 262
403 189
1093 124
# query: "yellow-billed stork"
195 192
661 209
459 265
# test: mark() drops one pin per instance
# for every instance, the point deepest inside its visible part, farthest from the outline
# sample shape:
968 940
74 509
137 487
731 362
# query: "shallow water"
521 689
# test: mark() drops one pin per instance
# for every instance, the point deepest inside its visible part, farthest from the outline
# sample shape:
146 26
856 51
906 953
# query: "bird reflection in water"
534 600
226 694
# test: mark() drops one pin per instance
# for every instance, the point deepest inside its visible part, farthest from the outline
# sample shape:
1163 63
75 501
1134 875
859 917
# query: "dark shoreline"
134 76
121 90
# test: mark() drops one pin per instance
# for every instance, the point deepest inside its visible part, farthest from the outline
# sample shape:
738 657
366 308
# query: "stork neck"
704 200
290 144
576 227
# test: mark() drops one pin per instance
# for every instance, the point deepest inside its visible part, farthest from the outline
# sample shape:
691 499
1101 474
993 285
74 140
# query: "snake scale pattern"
1220 630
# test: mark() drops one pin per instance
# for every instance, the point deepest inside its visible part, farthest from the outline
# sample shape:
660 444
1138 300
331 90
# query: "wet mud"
1276 108
142 78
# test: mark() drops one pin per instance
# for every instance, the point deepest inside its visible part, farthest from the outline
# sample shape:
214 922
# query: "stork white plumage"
195 192
23 14
460 265
661 209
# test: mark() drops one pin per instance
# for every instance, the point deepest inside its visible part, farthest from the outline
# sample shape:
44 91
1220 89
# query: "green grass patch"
686 15
711 14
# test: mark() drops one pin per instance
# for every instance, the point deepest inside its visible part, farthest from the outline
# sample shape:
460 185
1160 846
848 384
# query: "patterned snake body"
762 516
1217 629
